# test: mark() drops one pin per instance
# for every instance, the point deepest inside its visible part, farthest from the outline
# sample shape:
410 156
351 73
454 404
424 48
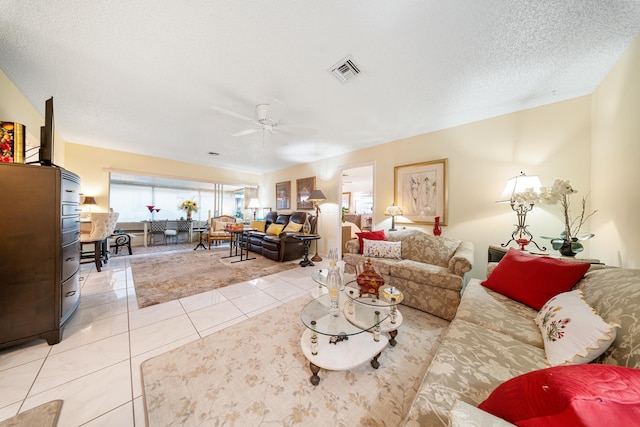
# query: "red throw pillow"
573 395
370 235
534 280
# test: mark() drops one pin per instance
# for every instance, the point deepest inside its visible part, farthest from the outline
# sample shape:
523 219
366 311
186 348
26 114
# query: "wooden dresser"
39 253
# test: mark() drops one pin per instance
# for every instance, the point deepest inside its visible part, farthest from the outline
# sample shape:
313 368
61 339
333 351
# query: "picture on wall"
304 187
346 201
283 195
421 192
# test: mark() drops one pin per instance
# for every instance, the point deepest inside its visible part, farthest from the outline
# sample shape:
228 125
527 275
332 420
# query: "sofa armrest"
462 260
353 246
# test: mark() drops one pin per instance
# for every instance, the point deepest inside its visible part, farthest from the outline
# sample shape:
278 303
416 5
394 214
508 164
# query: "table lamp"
254 205
521 193
393 211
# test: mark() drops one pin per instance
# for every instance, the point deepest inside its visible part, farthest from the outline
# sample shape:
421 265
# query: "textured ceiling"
141 76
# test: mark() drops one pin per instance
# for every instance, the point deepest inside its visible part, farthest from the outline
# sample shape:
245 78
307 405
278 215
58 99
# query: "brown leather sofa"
283 247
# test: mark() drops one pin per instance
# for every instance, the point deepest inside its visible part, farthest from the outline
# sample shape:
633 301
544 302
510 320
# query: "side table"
306 239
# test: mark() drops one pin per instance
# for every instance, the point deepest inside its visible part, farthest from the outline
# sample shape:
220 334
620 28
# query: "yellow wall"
551 141
615 174
94 164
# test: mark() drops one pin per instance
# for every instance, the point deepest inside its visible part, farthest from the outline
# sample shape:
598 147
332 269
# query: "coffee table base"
348 354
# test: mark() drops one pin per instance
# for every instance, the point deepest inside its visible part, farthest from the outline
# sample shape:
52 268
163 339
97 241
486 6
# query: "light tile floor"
95 369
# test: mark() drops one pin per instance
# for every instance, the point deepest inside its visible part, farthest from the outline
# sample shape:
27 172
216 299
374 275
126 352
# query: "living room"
591 140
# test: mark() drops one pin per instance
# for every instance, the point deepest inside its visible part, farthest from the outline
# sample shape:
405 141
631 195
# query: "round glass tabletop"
353 318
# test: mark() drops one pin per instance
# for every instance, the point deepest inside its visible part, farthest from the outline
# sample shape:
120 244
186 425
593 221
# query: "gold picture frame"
283 195
304 187
346 201
420 190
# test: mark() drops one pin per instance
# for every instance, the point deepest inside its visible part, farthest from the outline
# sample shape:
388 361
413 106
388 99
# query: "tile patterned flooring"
95 369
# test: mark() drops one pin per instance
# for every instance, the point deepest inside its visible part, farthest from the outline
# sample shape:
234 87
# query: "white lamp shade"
519 184
393 210
254 204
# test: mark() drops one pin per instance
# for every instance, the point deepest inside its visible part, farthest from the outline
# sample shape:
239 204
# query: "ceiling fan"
267 118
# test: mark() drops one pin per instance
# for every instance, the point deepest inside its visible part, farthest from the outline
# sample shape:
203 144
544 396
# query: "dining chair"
102 226
184 226
156 227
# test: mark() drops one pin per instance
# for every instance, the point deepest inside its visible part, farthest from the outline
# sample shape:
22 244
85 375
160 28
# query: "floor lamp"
315 197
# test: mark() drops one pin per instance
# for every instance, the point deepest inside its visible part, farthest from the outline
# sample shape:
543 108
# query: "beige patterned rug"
254 373
162 277
45 415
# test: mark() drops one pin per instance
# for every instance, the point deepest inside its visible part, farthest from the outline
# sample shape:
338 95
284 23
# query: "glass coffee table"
349 339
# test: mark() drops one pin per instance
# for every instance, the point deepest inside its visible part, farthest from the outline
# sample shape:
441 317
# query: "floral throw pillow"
571 330
382 249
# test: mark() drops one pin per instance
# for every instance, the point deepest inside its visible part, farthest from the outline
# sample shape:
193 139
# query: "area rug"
254 373
163 277
45 415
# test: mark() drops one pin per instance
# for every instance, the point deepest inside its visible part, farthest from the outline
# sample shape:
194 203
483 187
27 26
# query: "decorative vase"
571 248
436 227
306 227
188 215
368 279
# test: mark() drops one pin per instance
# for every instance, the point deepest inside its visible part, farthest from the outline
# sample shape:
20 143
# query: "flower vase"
436 227
571 248
188 215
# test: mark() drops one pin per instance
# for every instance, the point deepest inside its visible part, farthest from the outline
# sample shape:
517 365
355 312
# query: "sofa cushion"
423 247
219 225
499 313
470 362
381 249
371 235
259 225
432 275
615 295
292 227
465 415
533 280
578 395
275 229
572 332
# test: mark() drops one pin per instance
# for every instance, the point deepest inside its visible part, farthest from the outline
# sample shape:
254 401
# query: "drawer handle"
69 191
70 259
70 294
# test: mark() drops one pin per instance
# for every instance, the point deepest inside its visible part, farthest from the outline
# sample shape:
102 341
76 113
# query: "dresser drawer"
70 260
71 223
70 297
70 191
71 209
70 236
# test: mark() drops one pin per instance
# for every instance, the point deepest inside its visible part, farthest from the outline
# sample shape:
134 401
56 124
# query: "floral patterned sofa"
494 338
430 271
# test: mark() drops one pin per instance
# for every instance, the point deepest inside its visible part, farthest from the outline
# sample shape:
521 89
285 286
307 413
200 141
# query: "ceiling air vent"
345 69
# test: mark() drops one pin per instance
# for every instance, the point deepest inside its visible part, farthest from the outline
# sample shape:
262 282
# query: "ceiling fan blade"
233 114
245 132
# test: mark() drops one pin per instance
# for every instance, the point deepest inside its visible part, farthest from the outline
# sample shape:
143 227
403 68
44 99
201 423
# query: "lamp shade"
316 196
519 184
393 210
89 200
254 204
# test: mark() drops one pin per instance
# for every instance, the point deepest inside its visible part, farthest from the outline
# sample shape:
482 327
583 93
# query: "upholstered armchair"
216 232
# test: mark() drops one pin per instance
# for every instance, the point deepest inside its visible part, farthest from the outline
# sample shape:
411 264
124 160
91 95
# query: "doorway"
357 185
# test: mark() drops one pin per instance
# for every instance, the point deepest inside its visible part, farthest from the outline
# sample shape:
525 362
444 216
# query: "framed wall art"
346 200
283 195
304 187
421 191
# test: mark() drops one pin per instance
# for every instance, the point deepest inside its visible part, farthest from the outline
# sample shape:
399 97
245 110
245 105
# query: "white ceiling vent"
345 69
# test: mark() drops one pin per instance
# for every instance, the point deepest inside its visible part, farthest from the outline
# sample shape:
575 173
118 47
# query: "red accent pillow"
573 395
370 235
534 280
